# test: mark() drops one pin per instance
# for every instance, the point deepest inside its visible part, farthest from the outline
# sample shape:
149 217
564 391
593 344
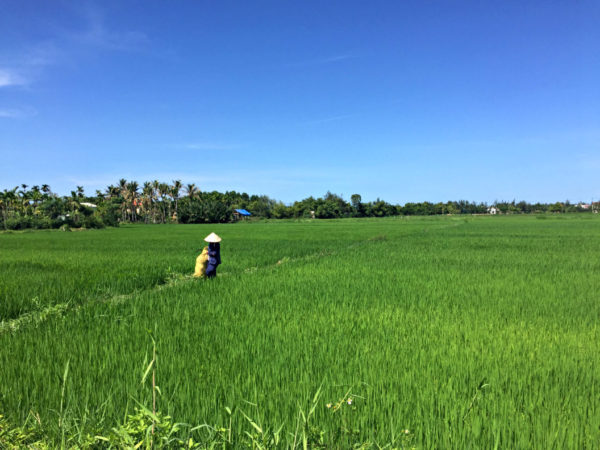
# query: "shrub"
93 221
41 222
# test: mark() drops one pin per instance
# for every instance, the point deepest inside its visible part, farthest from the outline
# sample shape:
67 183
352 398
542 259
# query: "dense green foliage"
41 209
467 332
157 202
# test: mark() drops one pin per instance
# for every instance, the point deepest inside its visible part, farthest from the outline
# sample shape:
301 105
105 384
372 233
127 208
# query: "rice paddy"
441 332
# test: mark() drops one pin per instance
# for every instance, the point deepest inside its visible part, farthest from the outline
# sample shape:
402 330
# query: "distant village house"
241 214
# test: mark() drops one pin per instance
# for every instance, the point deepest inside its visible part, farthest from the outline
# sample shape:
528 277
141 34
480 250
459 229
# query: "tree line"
157 202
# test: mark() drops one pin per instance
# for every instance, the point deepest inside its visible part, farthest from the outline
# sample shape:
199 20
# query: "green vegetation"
157 202
446 332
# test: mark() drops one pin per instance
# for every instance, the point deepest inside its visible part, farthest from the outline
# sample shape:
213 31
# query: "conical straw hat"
212 237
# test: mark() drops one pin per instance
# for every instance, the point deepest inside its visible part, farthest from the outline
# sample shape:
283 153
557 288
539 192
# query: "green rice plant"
475 334
47 268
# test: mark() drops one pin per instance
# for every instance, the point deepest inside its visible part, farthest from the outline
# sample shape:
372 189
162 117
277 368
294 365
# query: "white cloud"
22 66
97 33
17 113
41 54
9 77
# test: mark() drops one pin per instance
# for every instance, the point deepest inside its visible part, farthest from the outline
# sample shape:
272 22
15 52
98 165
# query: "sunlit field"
445 332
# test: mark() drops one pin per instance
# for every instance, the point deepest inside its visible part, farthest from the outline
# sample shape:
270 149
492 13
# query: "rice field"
442 332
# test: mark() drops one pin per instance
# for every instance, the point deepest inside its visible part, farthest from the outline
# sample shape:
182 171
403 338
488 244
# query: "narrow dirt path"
34 318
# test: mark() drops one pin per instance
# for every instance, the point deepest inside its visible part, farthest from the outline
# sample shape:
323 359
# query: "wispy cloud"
17 113
97 33
23 66
321 61
41 54
9 77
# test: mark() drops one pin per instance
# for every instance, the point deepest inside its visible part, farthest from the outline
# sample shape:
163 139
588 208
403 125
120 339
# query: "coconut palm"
73 205
157 201
192 190
36 196
112 191
4 207
164 191
147 200
132 195
175 189
7 200
123 192
24 196
8 203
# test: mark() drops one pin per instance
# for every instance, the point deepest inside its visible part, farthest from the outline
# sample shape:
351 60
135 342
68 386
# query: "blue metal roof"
243 212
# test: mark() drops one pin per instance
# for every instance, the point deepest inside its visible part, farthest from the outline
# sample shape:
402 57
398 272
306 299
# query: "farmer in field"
214 254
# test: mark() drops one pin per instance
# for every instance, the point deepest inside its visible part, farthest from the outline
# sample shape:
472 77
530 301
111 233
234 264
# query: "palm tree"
4 206
164 190
46 192
132 193
73 204
155 194
36 196
148 195
175 193
192 190
10 199
112 191
123 192
25 197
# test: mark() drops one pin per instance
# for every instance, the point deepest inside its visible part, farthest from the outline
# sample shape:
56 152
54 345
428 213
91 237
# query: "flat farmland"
441 332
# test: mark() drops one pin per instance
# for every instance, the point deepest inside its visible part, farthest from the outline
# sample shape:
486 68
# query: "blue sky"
406 101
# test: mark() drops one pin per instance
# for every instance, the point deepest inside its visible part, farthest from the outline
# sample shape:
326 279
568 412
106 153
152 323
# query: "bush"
41 222
109 213
17 223
58 222
198 211
92 222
